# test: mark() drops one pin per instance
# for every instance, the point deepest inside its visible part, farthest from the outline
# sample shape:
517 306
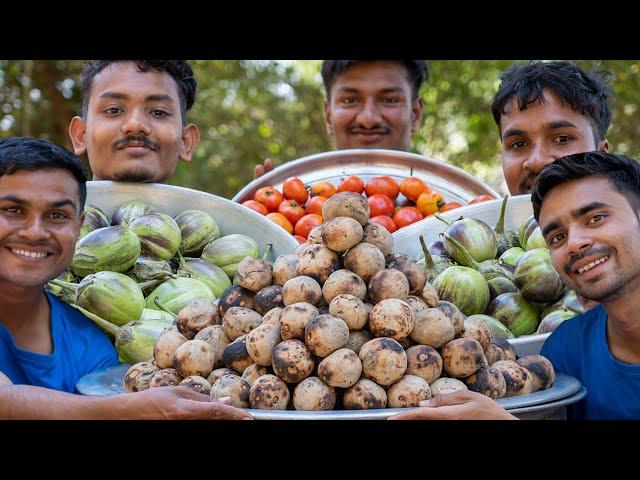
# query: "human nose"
577 241
135 123
369 116
539 158
35 230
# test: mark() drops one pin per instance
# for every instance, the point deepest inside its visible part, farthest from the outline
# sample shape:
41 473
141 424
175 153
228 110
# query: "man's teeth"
25 253
586 268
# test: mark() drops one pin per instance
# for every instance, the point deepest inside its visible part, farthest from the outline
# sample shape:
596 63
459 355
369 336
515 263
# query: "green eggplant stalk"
112 296
198 229
434 264
113 249
159 235
135 340
504 239
211 275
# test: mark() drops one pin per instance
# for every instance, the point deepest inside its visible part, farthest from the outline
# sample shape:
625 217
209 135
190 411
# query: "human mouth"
29 253
591 265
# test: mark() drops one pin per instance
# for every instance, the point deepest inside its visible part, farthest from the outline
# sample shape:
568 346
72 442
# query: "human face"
588 220
538 135
40 221
133 128
370 106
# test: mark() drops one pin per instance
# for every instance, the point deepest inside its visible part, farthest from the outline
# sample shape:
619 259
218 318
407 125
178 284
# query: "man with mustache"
588 207
46 346
370 103
133 123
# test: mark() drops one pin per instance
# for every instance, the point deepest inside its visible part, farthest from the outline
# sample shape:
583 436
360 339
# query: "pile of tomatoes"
298 208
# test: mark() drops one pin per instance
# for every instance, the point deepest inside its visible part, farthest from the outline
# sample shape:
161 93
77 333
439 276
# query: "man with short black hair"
370 103
46 346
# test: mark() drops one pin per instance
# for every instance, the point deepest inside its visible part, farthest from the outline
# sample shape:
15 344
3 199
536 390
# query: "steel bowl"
519 208
170 199
453 183
565 391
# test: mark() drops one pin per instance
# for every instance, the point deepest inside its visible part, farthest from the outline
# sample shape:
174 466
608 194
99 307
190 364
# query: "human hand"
260 170
179 403
460 405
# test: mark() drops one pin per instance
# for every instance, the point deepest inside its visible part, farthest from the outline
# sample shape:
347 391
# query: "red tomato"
380 205
386 222
325 189
294 189
281 220
406 216
412 187
450 206
351 184
480 198
300 238
385 185
257 206
314 205
269 197
306 223
292 210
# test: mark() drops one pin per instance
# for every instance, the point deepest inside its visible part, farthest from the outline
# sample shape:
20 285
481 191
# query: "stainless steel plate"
110 381
454 184
230 217
519 208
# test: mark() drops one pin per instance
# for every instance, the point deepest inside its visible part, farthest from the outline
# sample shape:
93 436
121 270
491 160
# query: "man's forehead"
41 184
592 190
125 79
381 73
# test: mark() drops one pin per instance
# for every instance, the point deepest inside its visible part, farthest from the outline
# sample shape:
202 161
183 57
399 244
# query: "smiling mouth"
586 268
29 253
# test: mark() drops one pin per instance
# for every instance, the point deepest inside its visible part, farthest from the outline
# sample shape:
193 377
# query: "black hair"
587 93
25 153
621 171
418 72
179 70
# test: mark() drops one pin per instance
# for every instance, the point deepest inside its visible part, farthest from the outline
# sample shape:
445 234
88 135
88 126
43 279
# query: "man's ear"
603 146
190 140
77 132
416 113
327 118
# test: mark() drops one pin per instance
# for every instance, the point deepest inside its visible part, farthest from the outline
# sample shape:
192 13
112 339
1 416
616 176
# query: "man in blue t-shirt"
46 345
588 207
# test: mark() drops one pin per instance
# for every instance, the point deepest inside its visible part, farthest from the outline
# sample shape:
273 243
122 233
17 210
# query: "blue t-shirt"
79 348
578 347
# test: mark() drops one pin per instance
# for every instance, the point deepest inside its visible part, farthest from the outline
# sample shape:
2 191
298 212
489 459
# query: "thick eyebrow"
577 213
22 201
156 97
555 125
384 90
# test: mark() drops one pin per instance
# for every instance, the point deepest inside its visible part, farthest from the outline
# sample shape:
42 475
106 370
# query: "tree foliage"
251 110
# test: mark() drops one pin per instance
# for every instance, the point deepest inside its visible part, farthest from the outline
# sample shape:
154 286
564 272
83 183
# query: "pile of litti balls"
342 323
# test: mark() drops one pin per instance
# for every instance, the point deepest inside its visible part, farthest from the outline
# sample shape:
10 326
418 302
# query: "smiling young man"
588 207
544 111
46 346
370 103
133 123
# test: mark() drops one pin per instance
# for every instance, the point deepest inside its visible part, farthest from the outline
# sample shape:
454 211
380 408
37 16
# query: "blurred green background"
249 110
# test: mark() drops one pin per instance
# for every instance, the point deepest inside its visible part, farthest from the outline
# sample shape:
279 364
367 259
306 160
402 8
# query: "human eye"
348 100
597 218
391 100
12 210
555 238
516 145
158 112
562 139
58 215
112 110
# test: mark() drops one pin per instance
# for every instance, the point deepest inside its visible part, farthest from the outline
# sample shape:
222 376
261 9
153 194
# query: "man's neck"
25 313
623 326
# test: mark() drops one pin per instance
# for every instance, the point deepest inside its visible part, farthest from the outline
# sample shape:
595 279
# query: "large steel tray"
452 182
519 208
230 217
565 390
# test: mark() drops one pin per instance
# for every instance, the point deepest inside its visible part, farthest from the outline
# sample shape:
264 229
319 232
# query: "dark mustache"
601 251
528 182
376 129
121 143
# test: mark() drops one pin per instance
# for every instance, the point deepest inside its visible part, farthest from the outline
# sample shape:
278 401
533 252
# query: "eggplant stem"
101 322
462 251
499 229
442 219
163 308
428 260
62 284
267 250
